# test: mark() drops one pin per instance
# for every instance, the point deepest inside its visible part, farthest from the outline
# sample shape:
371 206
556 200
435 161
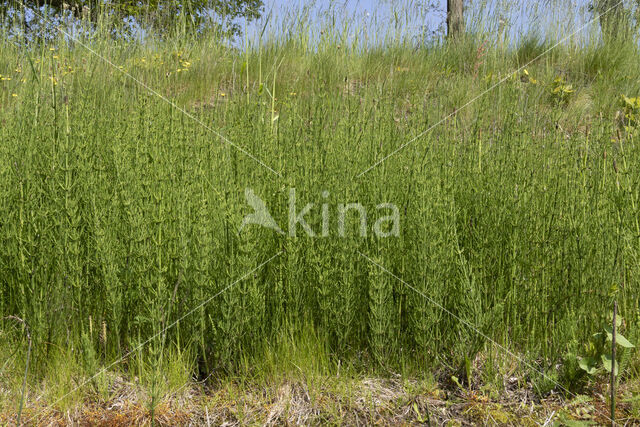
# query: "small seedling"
423 419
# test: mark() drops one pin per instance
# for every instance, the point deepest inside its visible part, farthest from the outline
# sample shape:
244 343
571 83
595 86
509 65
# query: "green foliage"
631 111
599 350
617 23
516 213
531 48
381 313
155 14
561 90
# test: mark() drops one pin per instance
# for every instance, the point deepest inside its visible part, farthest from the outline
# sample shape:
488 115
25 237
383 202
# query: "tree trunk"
455 20
611 17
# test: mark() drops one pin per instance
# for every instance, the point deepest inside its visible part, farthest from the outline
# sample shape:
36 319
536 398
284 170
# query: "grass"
121 214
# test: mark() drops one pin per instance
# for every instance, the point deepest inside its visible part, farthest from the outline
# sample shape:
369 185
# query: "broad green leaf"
623 342
588 364
606 362
620 339
609 332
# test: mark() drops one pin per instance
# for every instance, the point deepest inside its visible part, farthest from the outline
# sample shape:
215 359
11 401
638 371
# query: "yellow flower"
632 103
223 94
559 86
15 95
526 78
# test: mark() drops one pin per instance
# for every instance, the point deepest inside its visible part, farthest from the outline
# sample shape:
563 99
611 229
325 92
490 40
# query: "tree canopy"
156 13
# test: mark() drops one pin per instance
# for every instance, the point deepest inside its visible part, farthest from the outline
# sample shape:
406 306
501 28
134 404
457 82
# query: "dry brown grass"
330 401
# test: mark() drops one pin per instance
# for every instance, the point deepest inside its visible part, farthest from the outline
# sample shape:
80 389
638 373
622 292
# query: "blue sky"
373 21
373 14
521 16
